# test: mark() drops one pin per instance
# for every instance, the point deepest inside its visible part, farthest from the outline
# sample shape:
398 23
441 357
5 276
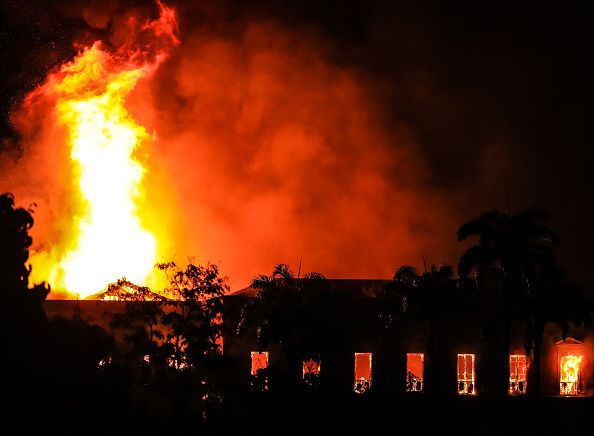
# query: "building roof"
354 288
569 341
126 291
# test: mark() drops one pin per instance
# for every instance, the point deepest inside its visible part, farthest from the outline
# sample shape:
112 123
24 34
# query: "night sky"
497 95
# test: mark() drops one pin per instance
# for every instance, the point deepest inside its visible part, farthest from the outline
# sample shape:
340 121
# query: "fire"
570 366
111 242
518 368
109 239
362 372
466 378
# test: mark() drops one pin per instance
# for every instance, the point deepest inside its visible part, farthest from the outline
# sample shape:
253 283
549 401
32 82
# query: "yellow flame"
99 231
110 241
570 372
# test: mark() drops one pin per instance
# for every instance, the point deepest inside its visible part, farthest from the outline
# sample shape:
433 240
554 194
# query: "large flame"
238 124
109 239
111 242
570 366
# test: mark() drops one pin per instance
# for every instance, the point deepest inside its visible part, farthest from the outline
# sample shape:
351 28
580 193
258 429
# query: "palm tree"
420 295
288 311
511 252
417 292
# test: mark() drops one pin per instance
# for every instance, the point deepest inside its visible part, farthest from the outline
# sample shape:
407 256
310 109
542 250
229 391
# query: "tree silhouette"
173 340
22 319
511 252
142 321
15 224
417 292
300 314
73 353
418 295
193 325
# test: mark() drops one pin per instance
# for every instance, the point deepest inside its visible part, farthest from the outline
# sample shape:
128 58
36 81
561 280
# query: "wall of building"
440 338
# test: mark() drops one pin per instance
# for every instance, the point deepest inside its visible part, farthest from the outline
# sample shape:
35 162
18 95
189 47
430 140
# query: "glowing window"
259 370
219 344
518 366
218 321
311 372
362 372
570 372
103 363
414 372
466 379
179 363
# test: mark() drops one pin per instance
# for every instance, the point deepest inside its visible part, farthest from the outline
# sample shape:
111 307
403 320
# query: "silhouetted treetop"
15 223
517 243
14 251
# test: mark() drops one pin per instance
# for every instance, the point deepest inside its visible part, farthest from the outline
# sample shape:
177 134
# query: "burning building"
571 367
87 105
455 361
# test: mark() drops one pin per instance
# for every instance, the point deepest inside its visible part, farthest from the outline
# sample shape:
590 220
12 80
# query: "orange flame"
570 366
109 238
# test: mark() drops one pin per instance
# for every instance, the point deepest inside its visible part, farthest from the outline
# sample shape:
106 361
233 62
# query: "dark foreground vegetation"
168 376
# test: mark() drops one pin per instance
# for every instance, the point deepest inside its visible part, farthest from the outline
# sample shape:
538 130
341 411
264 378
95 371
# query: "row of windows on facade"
569 373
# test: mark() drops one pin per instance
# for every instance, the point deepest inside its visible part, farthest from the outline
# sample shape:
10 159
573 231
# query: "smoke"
265 151
276 154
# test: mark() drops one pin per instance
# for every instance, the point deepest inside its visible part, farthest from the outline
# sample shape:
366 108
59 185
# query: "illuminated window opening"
415 366
518 369
104 363
218 321
259 371
570 374
178 363
362 372
466 377
219 345
311 372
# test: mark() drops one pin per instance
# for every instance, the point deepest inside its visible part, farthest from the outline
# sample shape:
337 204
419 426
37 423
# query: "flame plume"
108 237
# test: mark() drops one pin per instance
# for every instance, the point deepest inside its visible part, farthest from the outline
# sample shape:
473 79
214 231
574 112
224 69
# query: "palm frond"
478 226
406 274
469 260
